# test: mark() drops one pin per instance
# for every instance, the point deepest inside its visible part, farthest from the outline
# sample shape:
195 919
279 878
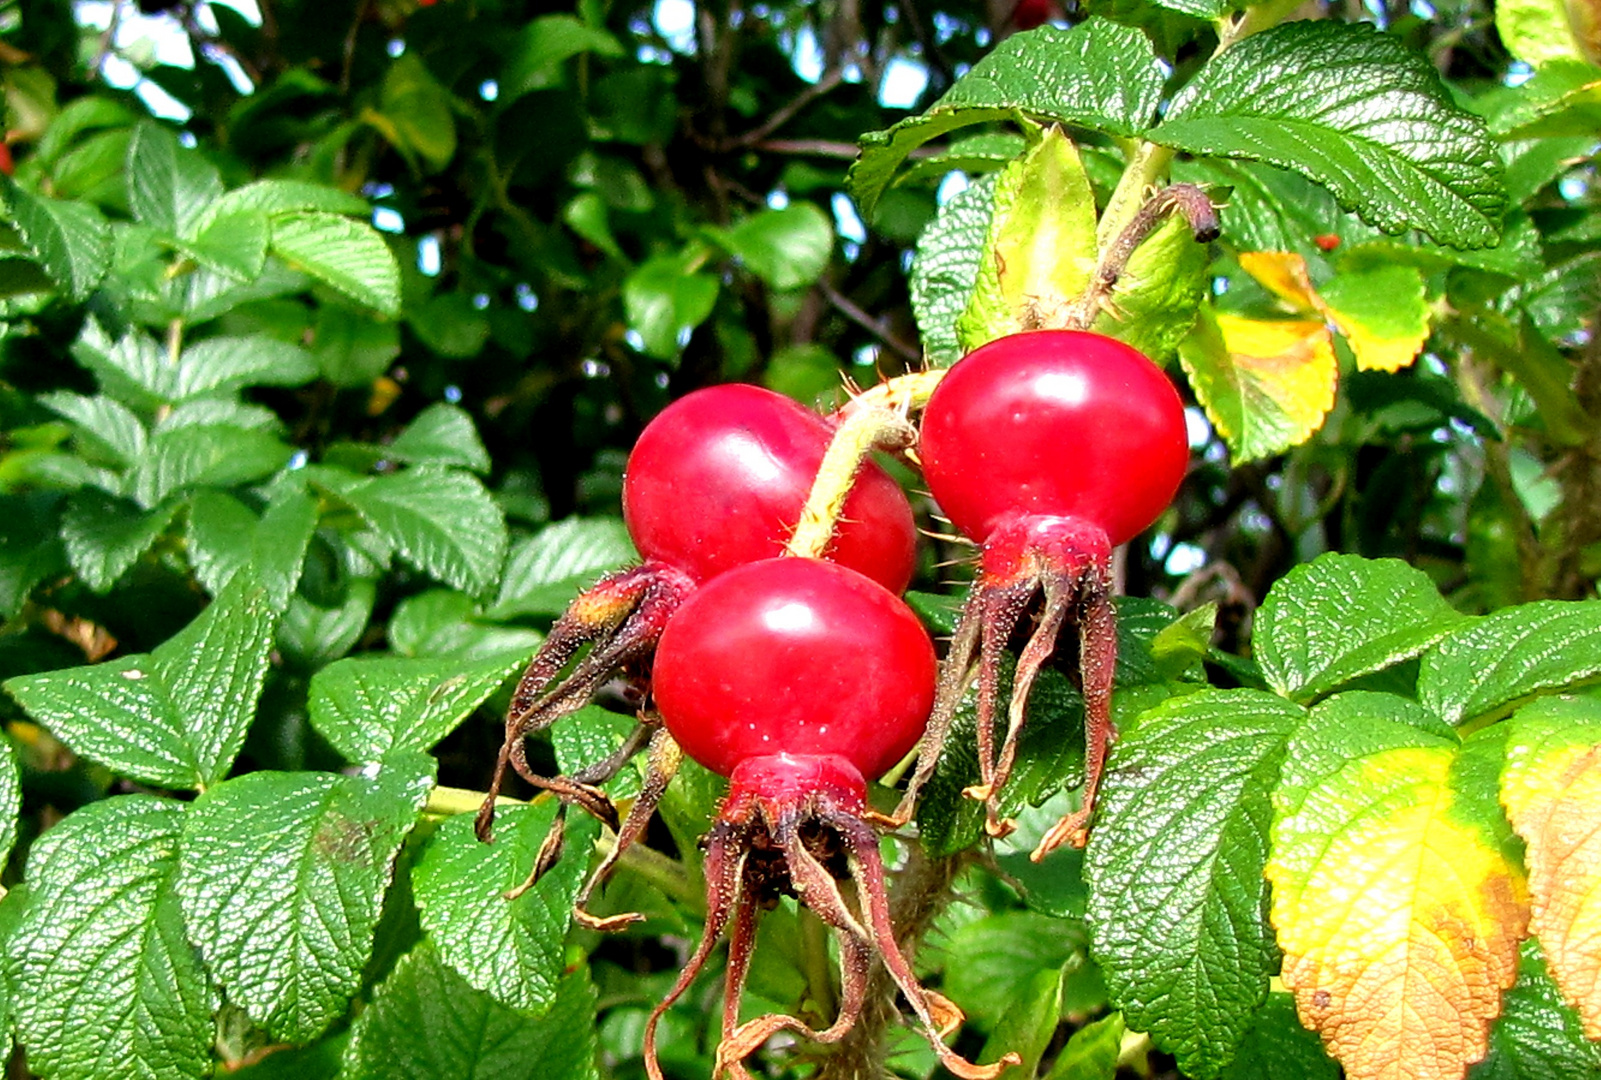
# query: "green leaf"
546 571
589 736
1537 1036
170 188
104 536
451 325
950 254
175 717
282 879
133 369
988 959
544 44
1354 109
316 636
1178 905
443 622
665 299
972 154
1092 1052
1342 616
278 549
1537 31
1028 1027
235 245
30 547
10 799
11 909
786 248
282 196
441 434
222 365
1273 209
371 708
349 255
71 240
205 454
104 981
1512 654
21 276
88 113
1277 1047
1563 98
220 537
426 1021
441 520
417 113
1154 304
1040 251
1098 75
588 216
510 950
108 430
351 349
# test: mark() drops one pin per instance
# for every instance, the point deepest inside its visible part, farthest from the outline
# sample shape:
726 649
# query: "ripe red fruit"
795 657
1049 448
1028 14
719 479
1056 422
797 679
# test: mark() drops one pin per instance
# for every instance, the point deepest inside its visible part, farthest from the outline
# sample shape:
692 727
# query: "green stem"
450 801
668 875
815 964
1150 161
858 433
1144 169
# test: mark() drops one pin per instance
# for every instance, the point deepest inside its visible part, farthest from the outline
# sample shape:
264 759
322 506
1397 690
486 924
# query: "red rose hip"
1049 448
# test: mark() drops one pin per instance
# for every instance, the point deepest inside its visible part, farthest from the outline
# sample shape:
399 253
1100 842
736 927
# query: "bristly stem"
1185 199
879 424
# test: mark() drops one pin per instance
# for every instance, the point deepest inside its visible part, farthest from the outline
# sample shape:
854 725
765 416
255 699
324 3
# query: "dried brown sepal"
619 619
1069 562
764 845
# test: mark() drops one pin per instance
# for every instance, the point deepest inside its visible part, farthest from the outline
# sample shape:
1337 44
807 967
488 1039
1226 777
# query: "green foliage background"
319 362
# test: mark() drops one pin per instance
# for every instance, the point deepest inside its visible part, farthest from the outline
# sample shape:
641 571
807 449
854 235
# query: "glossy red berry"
794 657
1064 423
797 678
719 478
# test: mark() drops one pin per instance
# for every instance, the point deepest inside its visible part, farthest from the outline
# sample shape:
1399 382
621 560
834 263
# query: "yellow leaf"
1265 385
1283 274
1551 789
1399 924
1381 312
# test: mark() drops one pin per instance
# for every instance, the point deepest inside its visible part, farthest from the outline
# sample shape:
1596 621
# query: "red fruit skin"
1029 14
1064 423
795 657
718 479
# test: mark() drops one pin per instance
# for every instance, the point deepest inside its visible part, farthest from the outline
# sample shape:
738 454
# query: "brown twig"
922 890
786 112
855 314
